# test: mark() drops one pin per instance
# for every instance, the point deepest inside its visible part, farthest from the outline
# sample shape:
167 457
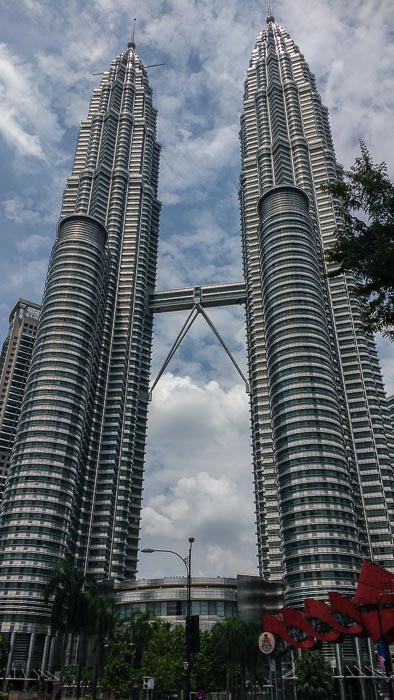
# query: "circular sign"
267 643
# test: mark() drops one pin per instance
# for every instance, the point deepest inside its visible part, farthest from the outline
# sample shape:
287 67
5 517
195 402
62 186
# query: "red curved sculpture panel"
370 613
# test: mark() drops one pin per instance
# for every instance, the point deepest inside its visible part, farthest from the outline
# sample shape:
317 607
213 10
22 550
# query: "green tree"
118 673
73 673
314 677
4 649
165 656
141 626
208 671
235 644
70 604
101 624
70 674
250 653
365 241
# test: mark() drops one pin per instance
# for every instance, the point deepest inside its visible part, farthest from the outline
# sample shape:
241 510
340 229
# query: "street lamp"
188 565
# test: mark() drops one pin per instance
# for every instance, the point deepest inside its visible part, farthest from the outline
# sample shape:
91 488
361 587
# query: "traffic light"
193 632
148 683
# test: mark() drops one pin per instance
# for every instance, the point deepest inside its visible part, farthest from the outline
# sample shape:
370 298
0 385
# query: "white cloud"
26 212
25 117
32 243
386 355
23 278
16 210
34 7
191 163
220 559
199 476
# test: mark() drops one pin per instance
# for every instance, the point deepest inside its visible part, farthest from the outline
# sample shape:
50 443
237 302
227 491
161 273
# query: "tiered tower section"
321 436
115 180
75 480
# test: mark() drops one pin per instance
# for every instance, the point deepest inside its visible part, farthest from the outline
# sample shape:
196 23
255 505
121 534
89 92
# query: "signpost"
267 643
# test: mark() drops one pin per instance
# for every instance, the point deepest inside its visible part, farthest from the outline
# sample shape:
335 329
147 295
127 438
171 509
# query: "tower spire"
131 44
270 17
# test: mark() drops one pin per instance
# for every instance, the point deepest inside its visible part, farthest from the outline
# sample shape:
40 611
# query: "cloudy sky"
198 474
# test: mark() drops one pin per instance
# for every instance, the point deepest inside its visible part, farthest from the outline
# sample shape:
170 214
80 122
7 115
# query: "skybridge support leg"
197 309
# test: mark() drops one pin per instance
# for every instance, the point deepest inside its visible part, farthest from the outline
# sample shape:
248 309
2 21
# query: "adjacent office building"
212 599
14 366
322 438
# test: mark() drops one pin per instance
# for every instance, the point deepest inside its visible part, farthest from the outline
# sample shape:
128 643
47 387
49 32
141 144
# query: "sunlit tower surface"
320 422
75 481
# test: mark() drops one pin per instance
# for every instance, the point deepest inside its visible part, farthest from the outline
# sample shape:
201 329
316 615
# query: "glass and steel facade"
322 441
213 599
75 479
115 180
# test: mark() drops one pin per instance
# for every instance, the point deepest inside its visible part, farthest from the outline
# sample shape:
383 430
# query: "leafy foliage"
72 672
314 677
164 657
147 646
365 242
208 672
118 673
4 649
101 614
141 627
102 623
127 647
70 603
235 645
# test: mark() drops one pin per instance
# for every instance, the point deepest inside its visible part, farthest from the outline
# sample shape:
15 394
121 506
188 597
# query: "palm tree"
249 653
4 651
314 677
70 605
141 626
102 623
228 640
236 644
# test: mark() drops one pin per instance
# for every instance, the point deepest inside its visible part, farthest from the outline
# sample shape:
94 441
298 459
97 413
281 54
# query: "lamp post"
188 565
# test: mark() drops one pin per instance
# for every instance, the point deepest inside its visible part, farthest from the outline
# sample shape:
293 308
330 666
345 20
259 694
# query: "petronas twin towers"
322 442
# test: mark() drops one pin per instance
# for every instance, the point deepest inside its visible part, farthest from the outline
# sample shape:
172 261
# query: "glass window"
174 607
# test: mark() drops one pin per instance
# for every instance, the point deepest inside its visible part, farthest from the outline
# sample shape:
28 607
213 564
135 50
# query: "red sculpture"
370 613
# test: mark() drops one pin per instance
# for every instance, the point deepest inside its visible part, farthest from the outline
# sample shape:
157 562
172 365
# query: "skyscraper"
14 366
321 435
75 480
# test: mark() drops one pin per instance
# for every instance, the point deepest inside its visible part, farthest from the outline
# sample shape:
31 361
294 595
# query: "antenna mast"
131 44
